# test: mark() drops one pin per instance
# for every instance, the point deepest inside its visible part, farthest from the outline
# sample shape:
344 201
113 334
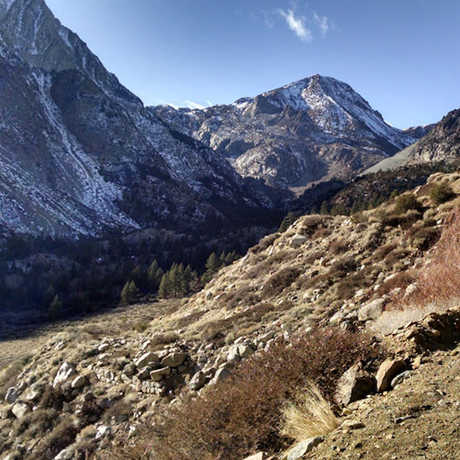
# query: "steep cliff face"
79 154
443 141
313 129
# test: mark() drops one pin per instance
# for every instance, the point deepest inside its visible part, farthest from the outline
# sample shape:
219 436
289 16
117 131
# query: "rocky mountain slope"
79 154
440 144
309 130
101 380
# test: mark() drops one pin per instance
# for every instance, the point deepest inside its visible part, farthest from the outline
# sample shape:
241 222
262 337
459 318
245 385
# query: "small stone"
352 424
197 381
174 359
64 373
221 374
11 395
258 456
300 449
103 347
103 432
20 409
159 374
400 378
146 359
371 310
387 371
144 373
79 382
297 240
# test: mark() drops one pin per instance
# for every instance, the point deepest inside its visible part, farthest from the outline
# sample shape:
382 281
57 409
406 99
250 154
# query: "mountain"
441 143
314 129
79 153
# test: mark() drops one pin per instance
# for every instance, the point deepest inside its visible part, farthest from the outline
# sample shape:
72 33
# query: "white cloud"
194 105
323 23
297 25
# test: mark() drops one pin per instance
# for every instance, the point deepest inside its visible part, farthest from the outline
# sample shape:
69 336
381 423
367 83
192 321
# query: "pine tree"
324 209
55 307
154 275
129 293
163 288
288 220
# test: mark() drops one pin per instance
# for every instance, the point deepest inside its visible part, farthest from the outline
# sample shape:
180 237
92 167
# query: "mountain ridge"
314 129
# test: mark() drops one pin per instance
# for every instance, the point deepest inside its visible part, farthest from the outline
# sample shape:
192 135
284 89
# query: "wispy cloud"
322 22
297 24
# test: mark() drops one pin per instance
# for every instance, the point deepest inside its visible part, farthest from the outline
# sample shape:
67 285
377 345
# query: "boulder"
129 370
66 454
11 395
258 456
353 385
297 240
146 359
64 373
300 449
174 359
144 373
20 409
221 374
79 382
197 381
389 369
372 310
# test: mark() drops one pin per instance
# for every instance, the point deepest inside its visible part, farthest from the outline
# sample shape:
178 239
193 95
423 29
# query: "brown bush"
62 436
281 280
401 280
407 202
9 374
264 243
243 413
440 280
440 193
338 246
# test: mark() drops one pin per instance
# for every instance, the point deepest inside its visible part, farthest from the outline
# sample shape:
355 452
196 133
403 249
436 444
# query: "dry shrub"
281 280
244 412
310 224
384 250
308 416
343 266
440 193
347 288
425 238
407 202
264 243
440 280
9 374
338 246
400 280
244 293
62 436
395 256
165 338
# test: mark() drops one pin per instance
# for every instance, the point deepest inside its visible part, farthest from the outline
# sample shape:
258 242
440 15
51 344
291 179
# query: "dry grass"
308 416
439 282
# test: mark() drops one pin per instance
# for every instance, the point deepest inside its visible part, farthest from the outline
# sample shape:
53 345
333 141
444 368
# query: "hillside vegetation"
265 352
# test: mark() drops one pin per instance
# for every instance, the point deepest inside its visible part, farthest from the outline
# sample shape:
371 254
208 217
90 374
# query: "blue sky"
403 56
